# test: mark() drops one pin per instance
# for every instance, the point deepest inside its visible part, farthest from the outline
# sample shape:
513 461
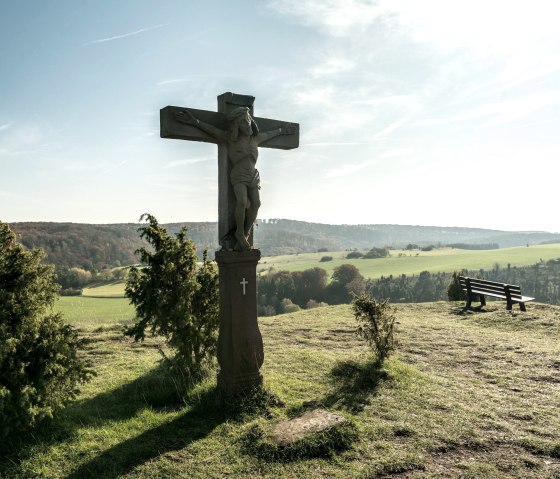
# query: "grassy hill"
466 396
95 247
414 262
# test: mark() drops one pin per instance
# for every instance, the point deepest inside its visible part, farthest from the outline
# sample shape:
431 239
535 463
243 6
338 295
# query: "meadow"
441 260
467 395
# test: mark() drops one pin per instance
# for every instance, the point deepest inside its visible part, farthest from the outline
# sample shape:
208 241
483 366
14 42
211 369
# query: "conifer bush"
40 364
454 290
175 298
376 324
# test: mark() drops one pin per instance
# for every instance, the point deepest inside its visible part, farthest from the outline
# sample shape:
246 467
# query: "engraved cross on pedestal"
240 348
244 283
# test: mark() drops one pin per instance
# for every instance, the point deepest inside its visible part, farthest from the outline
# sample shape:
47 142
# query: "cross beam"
171 128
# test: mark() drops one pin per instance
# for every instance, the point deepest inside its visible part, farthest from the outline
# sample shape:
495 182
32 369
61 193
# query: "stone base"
240 346
310 422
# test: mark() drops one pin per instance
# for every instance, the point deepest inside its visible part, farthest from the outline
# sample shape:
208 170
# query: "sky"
431 112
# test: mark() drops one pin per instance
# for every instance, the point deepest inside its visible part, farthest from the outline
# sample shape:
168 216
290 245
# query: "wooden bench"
481 287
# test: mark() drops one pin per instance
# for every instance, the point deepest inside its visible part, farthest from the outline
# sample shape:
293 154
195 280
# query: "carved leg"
252 210
241 200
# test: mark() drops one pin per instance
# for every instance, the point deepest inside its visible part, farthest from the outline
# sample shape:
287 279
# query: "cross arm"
170 127
275 139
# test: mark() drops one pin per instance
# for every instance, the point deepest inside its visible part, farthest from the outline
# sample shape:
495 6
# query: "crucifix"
238 179
238 135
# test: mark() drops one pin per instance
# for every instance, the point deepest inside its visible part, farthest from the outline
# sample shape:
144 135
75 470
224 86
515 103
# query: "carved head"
240 120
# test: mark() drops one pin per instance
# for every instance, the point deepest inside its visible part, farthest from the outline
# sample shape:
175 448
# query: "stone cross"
240 347
170 127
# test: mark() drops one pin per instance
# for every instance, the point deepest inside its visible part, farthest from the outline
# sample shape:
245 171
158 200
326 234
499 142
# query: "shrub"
374 253
354 255
174 298
324 259
286 306
40 366
376 322
71 292
454 290
311 304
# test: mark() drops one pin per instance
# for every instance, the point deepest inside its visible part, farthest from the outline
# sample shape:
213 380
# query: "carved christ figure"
241 140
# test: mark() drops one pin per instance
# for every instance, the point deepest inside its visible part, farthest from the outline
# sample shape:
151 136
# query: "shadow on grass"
354 383
156 390
195 424
464 311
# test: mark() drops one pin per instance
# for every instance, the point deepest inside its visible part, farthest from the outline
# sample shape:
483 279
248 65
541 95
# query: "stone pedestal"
240 346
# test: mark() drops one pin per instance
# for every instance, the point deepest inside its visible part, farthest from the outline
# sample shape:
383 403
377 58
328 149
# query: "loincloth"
251 179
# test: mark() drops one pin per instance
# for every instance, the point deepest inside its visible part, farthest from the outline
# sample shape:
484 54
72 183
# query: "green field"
444 260
85 312
467 395
113 289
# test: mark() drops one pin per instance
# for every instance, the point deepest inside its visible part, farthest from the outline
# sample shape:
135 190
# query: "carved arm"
185 116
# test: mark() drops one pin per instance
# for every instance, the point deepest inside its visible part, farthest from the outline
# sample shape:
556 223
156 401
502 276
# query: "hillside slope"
98 246
470 395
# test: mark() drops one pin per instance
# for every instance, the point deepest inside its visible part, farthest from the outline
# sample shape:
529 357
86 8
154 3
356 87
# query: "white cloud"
332 66
348 169
111 168
316 95
5 126
396 152
501 112
175 80
335 17
189 161
391 128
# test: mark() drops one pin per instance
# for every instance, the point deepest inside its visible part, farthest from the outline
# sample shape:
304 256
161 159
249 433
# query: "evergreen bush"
40 364
376 323
175 298
454 290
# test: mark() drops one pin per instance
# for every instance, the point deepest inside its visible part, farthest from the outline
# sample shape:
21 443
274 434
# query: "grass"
105 289
467 395
414 262
87 312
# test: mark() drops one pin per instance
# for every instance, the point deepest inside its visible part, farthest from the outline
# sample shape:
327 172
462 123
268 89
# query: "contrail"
116 37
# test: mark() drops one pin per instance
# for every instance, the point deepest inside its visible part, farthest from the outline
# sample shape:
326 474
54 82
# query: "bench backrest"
490 287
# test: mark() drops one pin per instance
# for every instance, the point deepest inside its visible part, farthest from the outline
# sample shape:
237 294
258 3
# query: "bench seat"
480 288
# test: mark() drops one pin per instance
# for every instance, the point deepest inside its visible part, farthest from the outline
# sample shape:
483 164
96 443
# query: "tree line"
283 291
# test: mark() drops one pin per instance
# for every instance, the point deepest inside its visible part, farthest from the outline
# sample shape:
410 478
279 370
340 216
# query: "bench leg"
509 305
469 301
522 306
482 300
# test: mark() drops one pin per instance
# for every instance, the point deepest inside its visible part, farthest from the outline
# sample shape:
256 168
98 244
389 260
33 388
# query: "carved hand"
185 116
288 129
